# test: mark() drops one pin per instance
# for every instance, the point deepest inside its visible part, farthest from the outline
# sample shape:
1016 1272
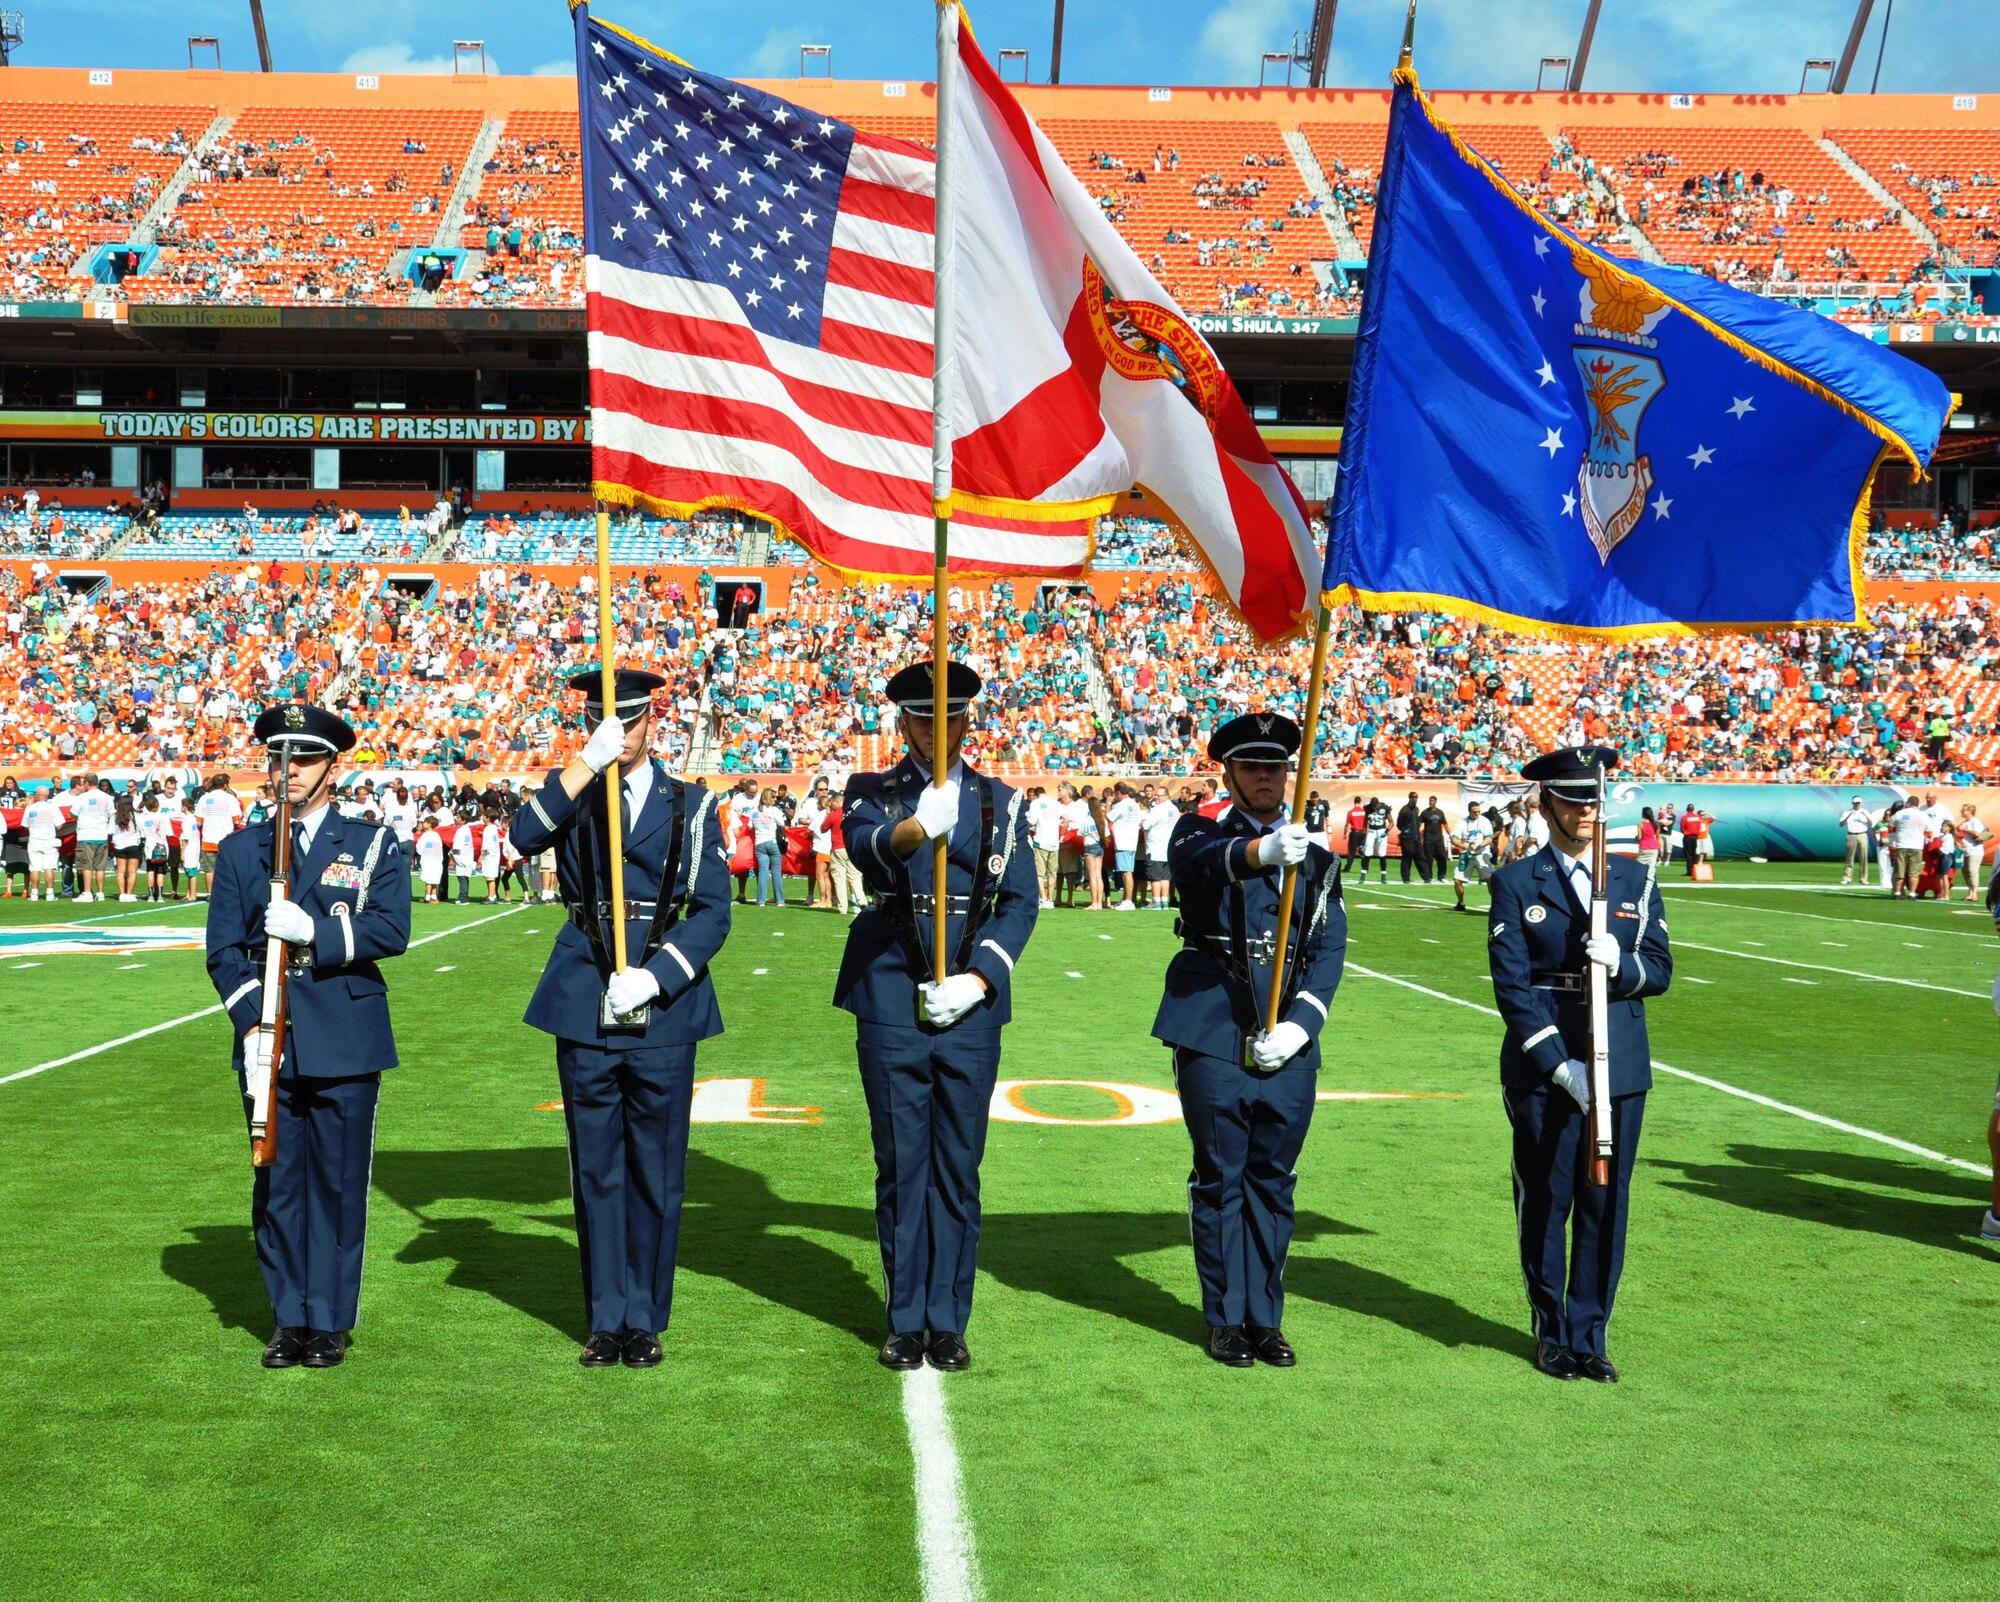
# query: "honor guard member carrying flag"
1248 1095
930 1051
1539 946
625 1042
345 907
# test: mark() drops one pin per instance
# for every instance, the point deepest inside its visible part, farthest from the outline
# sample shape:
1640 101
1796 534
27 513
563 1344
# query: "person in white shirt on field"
1857 823
464 859
156 845
46 823
491 832
1125 816
430 858
190 858
93 812
1045 839
1973 836
1909 827
219 812
1157 830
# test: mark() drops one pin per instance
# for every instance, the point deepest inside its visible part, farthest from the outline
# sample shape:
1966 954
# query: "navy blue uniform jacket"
1203 1009
875 981
567 1001
1534 939
356 885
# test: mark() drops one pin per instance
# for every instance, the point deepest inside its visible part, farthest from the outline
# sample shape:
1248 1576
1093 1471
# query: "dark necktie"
624 814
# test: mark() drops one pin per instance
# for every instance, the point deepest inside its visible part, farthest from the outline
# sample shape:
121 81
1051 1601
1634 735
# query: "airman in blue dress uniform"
1248 1095
930 1051
1539 946
625 1042
347 908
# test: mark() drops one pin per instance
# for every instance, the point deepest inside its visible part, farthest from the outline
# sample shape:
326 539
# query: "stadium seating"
74 175
1950 177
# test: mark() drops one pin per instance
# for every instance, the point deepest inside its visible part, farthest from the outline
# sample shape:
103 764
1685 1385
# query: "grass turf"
1805 1326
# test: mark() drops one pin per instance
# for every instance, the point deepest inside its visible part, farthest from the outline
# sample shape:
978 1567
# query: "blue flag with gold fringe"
1547 437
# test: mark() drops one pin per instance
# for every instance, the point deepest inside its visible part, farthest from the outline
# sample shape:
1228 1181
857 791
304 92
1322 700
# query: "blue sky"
1743 46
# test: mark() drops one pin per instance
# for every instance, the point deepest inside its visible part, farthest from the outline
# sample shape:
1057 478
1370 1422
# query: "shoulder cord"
368 868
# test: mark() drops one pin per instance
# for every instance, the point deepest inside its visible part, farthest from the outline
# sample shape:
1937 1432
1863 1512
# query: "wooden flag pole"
1322 634
941 391
614 776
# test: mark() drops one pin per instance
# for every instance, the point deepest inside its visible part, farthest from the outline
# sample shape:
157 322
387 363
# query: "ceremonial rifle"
1600 1039
263 1088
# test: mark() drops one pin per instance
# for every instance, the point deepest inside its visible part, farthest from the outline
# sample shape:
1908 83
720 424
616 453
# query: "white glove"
256 1057
629 991
1279 1046
1603 950
605 745
1284 847
949 999
937 809
1574 1077
288 921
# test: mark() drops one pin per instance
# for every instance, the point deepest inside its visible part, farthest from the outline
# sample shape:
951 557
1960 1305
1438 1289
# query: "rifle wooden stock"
277 976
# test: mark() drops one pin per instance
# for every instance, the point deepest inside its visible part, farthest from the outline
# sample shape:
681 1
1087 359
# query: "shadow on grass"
1824 1187
221 1262
1371 1294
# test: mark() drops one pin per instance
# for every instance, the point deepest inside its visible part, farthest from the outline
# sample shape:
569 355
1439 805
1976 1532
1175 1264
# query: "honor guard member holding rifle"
930 1051
345 907
625 1042
1540 948
1248 1095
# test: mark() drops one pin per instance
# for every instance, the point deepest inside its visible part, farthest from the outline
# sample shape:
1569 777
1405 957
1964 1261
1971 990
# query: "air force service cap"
911 690
304 728
634 689
1255 737
1571 773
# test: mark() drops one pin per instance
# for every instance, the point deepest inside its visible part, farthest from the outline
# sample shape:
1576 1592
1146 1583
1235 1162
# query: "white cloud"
777 56
563 68
398 58
1236 34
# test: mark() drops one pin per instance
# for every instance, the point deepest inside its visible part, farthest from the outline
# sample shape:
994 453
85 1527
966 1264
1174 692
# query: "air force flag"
1547 437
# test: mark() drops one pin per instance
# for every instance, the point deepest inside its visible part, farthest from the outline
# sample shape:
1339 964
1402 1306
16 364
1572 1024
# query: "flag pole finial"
1409 35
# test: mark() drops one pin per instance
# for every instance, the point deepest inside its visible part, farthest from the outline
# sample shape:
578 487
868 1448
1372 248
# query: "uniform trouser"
1435 861
1247 1129
1412 858
309 1209
928 1093
627 1113
1857 856
1571 1275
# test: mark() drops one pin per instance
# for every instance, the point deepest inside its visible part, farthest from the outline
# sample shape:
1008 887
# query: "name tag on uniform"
341 876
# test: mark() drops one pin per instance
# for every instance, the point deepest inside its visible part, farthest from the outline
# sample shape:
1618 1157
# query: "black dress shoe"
642 1349
325 1348
949 1352
1555 1361
286 1347
902 1351
602 1350
1596 1367
1271 1346
1226 1344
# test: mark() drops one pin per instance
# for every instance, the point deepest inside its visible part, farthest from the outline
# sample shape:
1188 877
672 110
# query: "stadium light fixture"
822 53
1559 65
11 36
1014 55
1819 64
198 42
468 58
1264 65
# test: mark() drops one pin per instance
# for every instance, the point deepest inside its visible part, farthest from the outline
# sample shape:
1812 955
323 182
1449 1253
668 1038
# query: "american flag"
759 281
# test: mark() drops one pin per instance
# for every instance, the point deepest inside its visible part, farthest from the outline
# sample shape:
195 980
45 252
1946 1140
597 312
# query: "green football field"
1807 1328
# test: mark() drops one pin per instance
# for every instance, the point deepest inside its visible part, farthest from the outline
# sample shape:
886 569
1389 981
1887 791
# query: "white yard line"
1713 1084
1876 923
206 1012
1845 973
945 1558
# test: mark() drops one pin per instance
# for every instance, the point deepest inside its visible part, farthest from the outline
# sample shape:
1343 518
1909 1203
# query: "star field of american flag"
709 179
